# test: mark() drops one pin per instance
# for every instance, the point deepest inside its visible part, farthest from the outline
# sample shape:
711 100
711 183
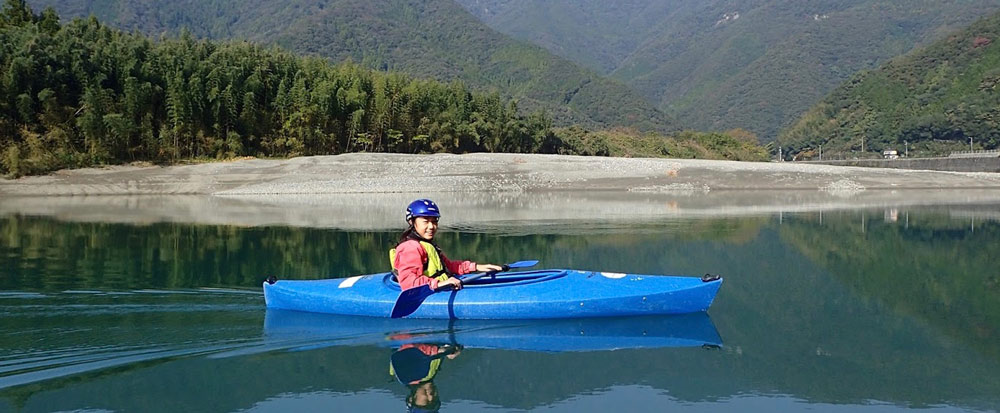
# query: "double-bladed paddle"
410 300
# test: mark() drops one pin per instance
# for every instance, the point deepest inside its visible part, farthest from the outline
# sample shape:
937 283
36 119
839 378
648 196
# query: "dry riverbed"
395 173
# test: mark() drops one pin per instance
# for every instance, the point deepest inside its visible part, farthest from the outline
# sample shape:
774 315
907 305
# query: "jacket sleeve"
410 258
428 349
458 267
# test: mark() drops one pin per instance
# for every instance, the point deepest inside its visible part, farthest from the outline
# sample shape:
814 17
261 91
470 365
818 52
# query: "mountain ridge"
715 65
424 38
928 102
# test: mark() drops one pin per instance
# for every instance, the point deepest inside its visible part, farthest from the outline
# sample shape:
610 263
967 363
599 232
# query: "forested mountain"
719 64
930 101
424 38
599 34
81 94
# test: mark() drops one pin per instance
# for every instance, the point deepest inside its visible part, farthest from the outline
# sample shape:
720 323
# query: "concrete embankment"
952 164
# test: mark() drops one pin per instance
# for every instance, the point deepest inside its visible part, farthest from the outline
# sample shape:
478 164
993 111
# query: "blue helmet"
422 208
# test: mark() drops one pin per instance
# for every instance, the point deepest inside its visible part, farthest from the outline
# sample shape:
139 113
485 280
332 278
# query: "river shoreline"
485 192
479 172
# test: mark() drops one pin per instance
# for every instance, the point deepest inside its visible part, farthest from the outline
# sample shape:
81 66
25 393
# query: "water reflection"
421 348
300 330
547 212
893 306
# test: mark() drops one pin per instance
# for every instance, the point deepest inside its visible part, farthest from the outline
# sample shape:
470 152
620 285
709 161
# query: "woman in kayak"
417 261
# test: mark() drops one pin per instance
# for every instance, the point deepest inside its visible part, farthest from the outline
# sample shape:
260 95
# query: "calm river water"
873 309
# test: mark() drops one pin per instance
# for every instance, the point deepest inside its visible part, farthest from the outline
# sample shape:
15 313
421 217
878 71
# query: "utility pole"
906 149
970 144
821 152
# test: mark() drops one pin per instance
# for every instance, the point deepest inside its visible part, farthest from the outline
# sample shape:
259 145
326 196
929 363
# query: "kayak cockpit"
500 280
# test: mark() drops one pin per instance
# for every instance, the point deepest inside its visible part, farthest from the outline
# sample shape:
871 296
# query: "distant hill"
720 64
930 101
426 38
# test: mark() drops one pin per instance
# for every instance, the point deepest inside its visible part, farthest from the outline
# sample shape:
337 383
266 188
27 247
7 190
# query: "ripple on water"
31 368
20 294
61 334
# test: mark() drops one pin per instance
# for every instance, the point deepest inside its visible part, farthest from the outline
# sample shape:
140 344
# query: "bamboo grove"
82 93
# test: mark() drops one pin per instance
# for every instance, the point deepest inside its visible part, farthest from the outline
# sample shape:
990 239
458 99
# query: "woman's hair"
407 234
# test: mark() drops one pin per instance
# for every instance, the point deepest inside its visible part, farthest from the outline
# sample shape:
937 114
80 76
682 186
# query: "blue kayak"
518 295
295 330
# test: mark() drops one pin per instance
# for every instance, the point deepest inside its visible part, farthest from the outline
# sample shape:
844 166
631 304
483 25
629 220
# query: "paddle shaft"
410 300
503 268
472 277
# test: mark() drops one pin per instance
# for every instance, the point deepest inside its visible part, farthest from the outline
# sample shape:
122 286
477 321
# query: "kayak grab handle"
710 277
271 279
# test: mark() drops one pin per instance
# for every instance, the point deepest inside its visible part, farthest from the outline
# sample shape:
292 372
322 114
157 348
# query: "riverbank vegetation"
84 94
736 144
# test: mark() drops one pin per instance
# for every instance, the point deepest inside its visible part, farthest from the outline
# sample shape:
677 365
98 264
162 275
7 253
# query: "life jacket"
411 365
433 267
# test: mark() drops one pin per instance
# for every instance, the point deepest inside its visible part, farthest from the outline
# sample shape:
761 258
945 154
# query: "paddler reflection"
415 366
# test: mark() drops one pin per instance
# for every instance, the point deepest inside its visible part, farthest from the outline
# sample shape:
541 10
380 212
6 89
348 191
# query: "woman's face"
425 226
425 394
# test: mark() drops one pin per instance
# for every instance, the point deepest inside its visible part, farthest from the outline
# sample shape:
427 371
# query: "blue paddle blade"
522 264
410 300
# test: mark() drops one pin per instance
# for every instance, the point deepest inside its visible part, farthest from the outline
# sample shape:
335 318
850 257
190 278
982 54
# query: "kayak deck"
556 293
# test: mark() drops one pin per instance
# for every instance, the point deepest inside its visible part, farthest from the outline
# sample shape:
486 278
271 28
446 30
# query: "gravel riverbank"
398 173
479 191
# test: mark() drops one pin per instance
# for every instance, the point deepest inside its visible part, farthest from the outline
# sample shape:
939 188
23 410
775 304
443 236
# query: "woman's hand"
488 267
450 351
454 282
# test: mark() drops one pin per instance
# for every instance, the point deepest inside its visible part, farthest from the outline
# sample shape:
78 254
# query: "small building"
890 154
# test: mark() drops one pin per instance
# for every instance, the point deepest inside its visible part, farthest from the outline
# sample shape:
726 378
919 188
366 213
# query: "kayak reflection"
301 331
421 347
415 365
